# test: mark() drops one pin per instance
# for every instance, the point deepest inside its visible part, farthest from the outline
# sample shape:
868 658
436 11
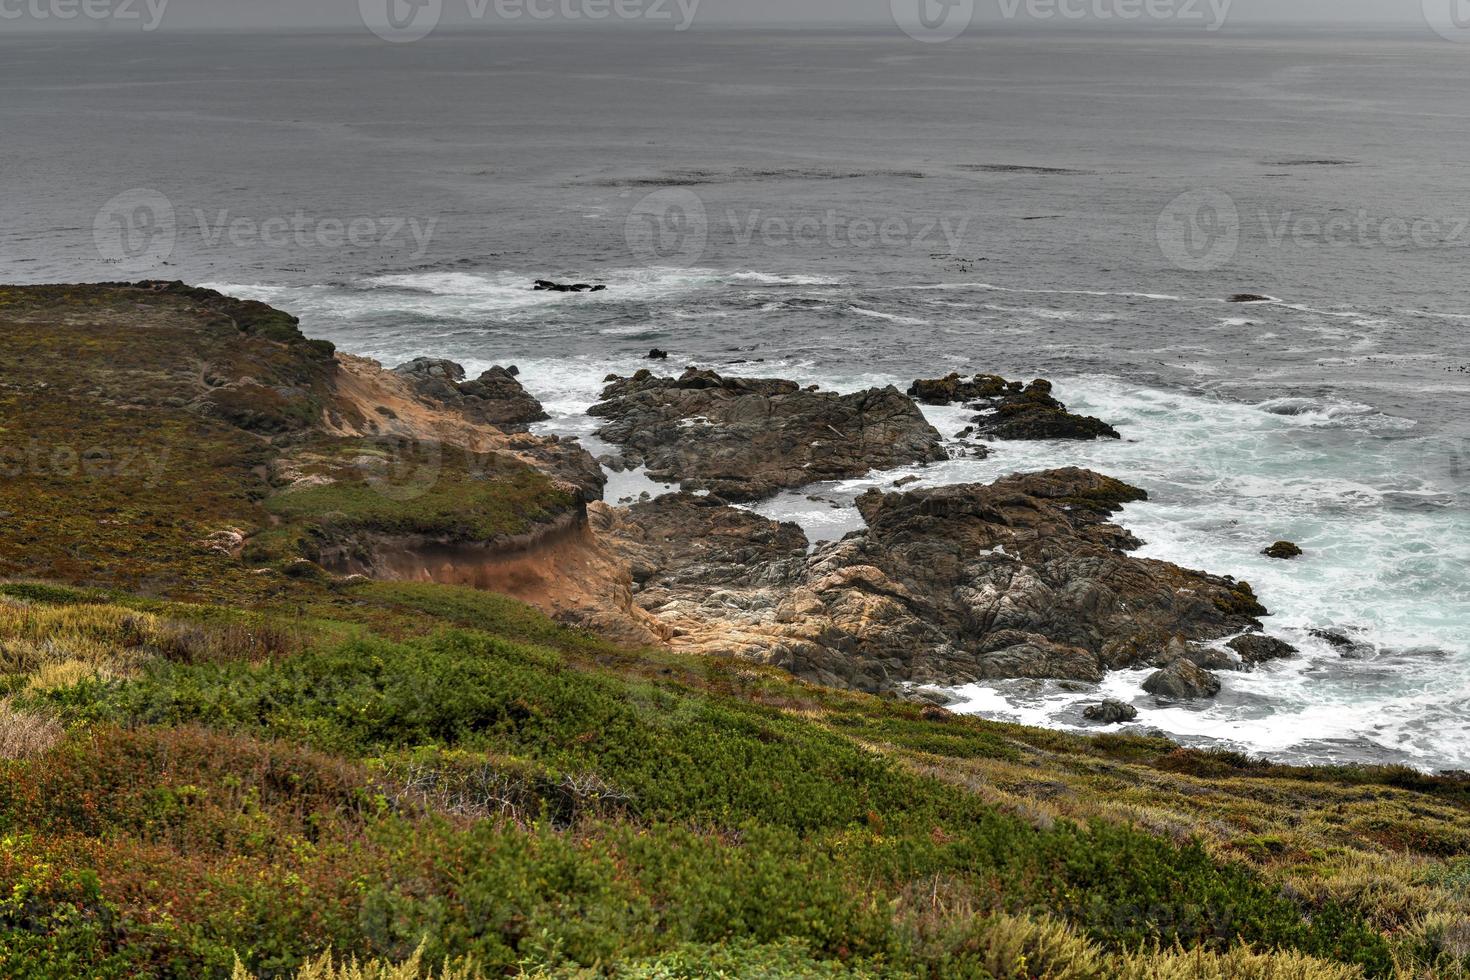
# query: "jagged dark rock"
1257 648
658 355
1284 551
1342 642
1035 414
1248 298
1183 681
547 286
954 388
745 439
1025 577
1110 712
1011 410
495 397
1209 658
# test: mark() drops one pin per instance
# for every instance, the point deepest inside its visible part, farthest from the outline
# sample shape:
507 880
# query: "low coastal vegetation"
513 797
216 763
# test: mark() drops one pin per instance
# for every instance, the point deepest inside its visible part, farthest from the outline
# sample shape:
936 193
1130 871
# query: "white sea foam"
769 279
1161 297
1385 559
465 296
890 317
1367 496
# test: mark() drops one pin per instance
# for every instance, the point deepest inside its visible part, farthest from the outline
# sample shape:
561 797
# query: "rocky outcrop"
388 405
494 398
1283 551
1011 410
1025 577
744 439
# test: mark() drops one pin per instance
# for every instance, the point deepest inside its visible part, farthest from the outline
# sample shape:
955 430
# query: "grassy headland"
219 759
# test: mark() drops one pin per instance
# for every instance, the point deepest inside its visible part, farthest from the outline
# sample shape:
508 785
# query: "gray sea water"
854 208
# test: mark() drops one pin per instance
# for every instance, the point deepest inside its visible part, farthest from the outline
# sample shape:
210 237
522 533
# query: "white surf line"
1439 316
1275 301
1058 292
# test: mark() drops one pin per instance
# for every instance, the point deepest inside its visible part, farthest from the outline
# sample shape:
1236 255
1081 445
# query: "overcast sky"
257 14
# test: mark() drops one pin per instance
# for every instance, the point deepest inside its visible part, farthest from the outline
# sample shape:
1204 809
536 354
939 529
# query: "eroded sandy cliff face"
559 564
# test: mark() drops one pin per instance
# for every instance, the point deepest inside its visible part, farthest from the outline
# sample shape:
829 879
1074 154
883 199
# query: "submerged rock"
1110 712
658 355
1248 298
1183 681
1342 642
1283 550
745 439
1012 410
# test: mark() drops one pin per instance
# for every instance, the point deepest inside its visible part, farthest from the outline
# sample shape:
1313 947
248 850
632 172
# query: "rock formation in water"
1182 681
745 439
1110 712
547 286
1010 409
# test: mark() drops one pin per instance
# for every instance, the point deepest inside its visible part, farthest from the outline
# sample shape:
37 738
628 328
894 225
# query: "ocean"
858 208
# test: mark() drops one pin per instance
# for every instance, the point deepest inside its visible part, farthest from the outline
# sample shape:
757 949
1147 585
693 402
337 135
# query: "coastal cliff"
218 453
270 686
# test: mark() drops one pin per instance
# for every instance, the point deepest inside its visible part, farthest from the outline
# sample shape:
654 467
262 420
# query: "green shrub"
814 813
